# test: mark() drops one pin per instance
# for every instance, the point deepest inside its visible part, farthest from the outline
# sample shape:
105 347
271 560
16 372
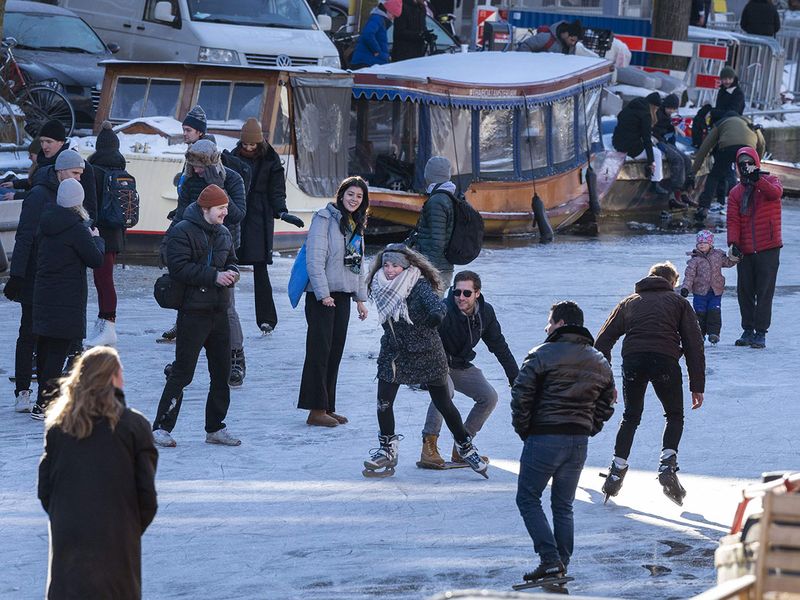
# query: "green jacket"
732 131
434 228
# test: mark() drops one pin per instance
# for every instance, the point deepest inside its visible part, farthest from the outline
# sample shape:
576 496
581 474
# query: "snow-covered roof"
299 69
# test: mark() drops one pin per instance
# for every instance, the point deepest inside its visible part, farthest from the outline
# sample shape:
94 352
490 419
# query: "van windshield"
290 14
52 32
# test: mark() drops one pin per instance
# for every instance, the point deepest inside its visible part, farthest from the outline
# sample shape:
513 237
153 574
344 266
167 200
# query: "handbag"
168 292
298 280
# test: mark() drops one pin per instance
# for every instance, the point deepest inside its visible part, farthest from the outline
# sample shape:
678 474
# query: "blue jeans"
546 457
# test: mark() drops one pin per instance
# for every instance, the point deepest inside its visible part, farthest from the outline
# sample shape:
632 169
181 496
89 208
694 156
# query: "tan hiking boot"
457 458
430 451
318 418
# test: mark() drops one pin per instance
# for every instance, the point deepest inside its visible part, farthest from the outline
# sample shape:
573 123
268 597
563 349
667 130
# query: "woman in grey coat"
334 259
404 286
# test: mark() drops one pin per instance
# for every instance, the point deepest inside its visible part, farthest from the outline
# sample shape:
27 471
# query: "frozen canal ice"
288 514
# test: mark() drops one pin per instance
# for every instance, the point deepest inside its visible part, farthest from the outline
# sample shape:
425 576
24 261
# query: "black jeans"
440 396
196 330
51 353
755 287
265 305
664 373
723 163
327 333
26 344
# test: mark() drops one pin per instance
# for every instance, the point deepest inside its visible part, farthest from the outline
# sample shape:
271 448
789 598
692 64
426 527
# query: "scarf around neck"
390 295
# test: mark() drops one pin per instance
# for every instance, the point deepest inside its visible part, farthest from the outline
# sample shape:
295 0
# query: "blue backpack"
119 206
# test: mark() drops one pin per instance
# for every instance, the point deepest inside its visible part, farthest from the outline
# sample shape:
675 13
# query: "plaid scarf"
390 296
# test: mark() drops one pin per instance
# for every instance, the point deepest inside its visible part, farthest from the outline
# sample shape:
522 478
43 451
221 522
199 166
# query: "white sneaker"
222 437
162 438
105 334
23 402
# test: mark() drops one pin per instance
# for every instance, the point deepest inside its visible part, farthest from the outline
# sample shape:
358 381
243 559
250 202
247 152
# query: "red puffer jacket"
758 226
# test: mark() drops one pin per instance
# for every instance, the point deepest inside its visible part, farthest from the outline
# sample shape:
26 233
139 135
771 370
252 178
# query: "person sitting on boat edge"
372 47
633 136
679 163
561 38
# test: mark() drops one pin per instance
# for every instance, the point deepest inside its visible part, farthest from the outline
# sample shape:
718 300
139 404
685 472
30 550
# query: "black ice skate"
551 576
382 460
469 454
668 478
614 480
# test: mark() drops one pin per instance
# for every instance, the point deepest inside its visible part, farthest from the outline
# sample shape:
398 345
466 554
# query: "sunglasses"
457 292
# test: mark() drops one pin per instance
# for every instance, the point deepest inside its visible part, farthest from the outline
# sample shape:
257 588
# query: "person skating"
266 201
66 247
200 255
561 38
704 279
336 278
659 326
754 232
563 394
96 483
469 319
404 287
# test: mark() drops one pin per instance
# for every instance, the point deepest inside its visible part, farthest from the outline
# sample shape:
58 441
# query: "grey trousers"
473 384
237 337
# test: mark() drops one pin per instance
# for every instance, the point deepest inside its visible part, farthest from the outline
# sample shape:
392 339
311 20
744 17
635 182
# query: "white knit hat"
70 193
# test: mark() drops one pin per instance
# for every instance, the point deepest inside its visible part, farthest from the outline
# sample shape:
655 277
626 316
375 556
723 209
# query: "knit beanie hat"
654 99
196 119
727 73
35 146
203 153
251 132
70 193
705 237
107 140
393 7
69 159
397 258
54 130
213 195
437 170
671 101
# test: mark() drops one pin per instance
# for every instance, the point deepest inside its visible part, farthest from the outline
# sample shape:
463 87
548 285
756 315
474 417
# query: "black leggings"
440 396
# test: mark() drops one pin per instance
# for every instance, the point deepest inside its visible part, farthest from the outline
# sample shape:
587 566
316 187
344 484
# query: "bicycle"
40 101
9 128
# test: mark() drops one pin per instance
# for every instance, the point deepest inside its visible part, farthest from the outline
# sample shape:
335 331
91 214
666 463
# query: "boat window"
231 103
496 135
282 135
452 137
588 112
136 97
563 130
533 138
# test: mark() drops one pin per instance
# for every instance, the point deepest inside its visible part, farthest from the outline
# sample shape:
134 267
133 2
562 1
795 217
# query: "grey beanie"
70 193
69 159
437 170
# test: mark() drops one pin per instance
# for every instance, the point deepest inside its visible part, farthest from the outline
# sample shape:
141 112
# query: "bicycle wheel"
9 130
42 104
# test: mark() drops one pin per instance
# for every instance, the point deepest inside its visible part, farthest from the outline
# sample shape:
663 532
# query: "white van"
236 32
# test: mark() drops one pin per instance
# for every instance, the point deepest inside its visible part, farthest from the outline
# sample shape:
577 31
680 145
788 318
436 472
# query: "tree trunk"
670 22
2 14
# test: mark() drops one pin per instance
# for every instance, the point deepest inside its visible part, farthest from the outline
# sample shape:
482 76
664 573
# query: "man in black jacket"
200 255
563 394
469 319
410 33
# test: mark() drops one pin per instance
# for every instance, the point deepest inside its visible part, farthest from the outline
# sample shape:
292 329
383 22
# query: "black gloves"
734 251
684 292
690 182
13 289
749 173
292 220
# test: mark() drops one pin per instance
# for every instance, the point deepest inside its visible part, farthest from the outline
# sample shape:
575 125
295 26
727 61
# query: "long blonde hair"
86 394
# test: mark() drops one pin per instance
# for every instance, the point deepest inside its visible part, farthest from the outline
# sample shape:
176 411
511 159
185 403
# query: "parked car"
55 45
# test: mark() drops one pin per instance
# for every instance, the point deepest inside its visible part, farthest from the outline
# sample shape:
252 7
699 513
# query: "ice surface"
288 515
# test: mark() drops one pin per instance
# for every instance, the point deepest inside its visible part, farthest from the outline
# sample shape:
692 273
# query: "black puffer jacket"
564 387
66 248
409 32
87 179
461 333
663 130
633 130
760 17
266 201
233 186
434 228
414 353
731 99
196 251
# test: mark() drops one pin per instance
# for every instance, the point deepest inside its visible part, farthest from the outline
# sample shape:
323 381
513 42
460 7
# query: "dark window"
231 102
136 97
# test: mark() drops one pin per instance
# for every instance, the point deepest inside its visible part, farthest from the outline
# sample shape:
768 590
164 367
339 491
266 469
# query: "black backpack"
119 205
466 240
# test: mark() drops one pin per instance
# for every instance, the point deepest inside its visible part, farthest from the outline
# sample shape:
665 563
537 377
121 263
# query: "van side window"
231 103
136 97
150 12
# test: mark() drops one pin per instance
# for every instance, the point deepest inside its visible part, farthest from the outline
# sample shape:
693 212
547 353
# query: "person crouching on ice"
404 287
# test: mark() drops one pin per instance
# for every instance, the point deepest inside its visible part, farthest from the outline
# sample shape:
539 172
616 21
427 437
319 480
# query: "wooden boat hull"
787 173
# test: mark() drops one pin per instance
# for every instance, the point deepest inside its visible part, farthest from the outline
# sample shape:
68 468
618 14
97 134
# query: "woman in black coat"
405 288
66 247
266 201
410 31
96 483
760 17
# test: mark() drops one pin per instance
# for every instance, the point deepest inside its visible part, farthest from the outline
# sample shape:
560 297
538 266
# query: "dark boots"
713 325
702 320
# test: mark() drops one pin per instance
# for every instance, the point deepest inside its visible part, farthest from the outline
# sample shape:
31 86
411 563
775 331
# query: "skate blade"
546 582
445 467
370 474
484 473
678 501
164 341
607 496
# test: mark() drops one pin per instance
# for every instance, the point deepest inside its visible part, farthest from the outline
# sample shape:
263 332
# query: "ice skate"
668 478
614 479
470 455
266 329
37 412
238 368
551 576
105 334
23 402
383 460
169 335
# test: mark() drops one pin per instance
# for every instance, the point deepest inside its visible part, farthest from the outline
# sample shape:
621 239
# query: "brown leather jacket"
655 319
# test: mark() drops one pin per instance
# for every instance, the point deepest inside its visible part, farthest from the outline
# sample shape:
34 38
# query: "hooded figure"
760 17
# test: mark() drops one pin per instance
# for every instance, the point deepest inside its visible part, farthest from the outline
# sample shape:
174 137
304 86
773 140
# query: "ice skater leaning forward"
563 394
405 287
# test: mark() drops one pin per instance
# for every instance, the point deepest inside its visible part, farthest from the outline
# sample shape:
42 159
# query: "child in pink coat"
704 278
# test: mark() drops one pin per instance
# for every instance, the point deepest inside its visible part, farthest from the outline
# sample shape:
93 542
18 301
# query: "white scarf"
390 296
447 186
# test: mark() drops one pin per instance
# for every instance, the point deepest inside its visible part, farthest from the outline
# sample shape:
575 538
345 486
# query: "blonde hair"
665 270
82 212
86 394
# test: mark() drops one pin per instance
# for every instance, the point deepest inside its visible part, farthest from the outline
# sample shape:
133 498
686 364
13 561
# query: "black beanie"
654 99
196 119
107 140
54 130
671 101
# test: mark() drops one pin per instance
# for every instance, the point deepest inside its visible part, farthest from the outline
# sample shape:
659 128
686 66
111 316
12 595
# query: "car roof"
22 6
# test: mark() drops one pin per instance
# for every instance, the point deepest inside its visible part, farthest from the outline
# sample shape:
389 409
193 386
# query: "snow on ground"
289 515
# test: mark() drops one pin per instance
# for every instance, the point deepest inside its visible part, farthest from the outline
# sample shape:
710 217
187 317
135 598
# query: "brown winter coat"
656 319
704 272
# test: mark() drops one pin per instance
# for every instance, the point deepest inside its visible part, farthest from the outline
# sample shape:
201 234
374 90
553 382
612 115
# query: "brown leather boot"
319 418
457 457
430 451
